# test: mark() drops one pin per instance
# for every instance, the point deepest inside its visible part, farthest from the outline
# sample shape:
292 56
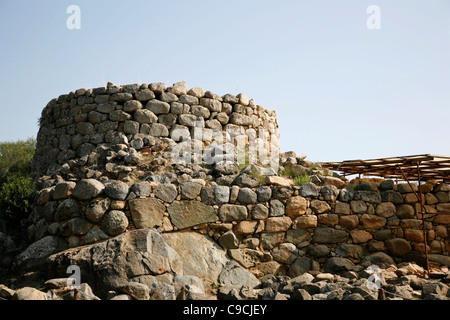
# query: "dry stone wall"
102 171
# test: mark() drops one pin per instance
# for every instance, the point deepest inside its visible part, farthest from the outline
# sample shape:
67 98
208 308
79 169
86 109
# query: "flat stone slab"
188 213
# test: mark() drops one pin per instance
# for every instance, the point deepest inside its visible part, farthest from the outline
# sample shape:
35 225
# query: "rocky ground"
406 281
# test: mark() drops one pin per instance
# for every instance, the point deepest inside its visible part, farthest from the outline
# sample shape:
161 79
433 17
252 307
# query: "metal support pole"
422 208
423 219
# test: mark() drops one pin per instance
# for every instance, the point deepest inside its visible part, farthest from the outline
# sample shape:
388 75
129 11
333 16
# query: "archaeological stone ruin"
162 186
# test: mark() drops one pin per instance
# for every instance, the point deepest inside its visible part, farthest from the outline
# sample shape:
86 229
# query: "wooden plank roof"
431 167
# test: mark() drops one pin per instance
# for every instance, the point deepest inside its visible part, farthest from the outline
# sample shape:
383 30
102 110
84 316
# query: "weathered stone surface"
296 206
260 211
190 190
372 221
234 275
75 226
342 208
309 189
229 240
279 181
114 222
282 193
158 107
386 209
34 256
358 206
145 116
277 224
230 212
87 189
138 291
329 192
406 188
405 211
187 213
338 265
246 181
276 208
147 213
398 247
158 130
328 219
414 235
337 182
28 293
247 196
167 192
319 206
69 208
111 264
63 190
244 228
378 257
296 236
369 196
360 236
142 189
201 256
391 196
116 189
329 235
221 194
351 251
307 221
286 253
96 209
349 221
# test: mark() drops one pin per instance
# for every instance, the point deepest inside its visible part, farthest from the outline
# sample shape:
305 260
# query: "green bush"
16 197
15 159
16 185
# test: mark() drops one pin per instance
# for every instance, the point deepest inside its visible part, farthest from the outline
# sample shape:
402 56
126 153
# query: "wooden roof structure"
414 168
408 168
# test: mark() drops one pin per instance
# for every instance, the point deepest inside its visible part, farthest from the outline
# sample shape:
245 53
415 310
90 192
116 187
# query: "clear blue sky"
341 91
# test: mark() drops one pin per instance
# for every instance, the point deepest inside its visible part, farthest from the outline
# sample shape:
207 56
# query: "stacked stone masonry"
102 171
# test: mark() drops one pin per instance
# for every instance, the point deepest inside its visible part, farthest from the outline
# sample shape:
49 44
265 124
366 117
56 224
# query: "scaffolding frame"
418 168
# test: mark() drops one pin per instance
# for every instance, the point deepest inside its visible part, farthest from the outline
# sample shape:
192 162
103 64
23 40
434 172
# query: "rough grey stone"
147 213
338 265
329 235
260 211
114 222
116 189
190 190
221 194
158 107
87 189
142 189
276 208
264 193
229 240
247 196
34 256
230 212
309 189
69 208
167 192
187 213
233 274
